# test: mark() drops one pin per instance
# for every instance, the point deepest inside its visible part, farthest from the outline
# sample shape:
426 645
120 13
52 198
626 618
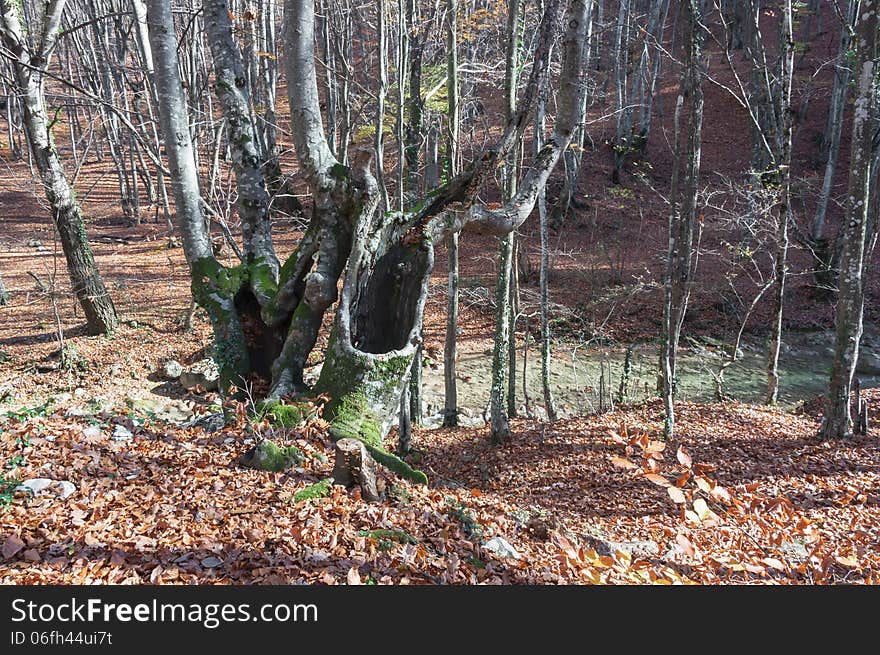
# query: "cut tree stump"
355 465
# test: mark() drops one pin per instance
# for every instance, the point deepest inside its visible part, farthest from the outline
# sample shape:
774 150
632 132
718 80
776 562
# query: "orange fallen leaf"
657 479
676 494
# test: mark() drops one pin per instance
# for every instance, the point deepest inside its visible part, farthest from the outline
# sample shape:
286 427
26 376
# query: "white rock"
204 373
38 486
121 433
172 369
500 546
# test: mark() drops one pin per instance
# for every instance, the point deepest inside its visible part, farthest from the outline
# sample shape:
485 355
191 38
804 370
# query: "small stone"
31 555
66 488
38 486
210 422
268 456
121 433
501 547
172 369
35 485
203 373
639 548
211 562
11 546
34 243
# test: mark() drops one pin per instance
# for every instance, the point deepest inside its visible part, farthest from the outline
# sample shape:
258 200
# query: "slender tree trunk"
834 125
783 174
683 214
381 92
499 418
838 422
32 54
501 350
253 198
549 404
450 348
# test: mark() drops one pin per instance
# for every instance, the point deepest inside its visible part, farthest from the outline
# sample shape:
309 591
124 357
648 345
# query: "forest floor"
741 495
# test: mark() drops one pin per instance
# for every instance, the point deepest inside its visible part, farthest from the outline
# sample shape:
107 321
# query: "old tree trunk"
267 317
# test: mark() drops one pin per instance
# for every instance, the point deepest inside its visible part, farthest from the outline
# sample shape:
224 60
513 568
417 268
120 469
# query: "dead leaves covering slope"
742 495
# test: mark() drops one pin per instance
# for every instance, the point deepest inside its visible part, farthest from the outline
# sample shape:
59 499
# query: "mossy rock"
287 416
317 490
269 456
389 535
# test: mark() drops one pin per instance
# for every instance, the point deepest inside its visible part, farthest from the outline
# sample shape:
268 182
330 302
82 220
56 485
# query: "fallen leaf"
623 463
774 563
686 545
657 479
683 458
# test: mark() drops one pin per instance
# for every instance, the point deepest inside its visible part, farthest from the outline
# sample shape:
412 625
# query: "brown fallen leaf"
657 479
622 462
774 563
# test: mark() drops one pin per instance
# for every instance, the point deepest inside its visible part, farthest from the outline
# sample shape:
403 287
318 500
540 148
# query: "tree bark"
450 347
834 125
784 123
247 160
838 422
32 53
683 215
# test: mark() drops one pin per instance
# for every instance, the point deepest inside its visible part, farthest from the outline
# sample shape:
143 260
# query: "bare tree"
838 422
30 48
683 197
383 258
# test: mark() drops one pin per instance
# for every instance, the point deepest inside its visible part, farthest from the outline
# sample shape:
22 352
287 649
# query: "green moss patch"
269 456
317 490
389 535
287 416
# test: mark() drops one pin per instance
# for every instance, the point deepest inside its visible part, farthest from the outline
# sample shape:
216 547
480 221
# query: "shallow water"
804 367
